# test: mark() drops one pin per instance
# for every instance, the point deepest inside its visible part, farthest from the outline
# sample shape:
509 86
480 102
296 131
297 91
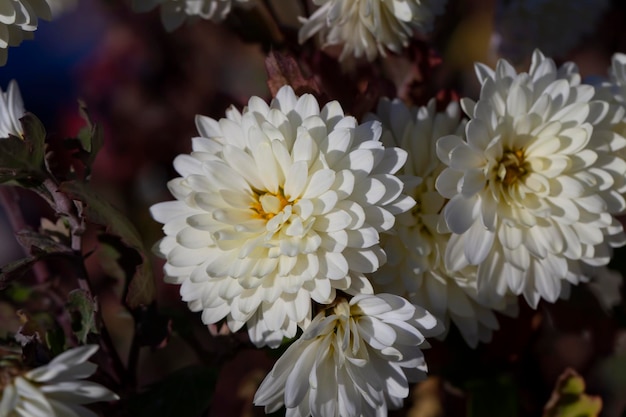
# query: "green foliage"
141 290
40 247
55 339
22 159
82 308
17 292
186 392
569 398
91 138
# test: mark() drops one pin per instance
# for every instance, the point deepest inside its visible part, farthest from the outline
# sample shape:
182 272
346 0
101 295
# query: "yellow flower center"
267 205
512 167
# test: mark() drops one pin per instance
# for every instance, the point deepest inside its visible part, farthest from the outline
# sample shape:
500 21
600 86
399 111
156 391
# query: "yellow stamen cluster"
512 167
267 205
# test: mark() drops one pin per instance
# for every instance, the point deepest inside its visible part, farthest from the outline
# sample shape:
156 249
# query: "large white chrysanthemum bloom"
11 111
533 185
175 12
415 264
367 27
278 206
523 25
355 359
57 389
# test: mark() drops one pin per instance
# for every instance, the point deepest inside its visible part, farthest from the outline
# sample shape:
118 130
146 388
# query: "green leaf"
37 242
186 392
82 308
91 137
35 134
482 393
22 159
141 290
18 293
55 339
569 399
40 247
117 260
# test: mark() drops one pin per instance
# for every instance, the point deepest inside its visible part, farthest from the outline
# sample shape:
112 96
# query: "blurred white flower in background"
606 284
11 111
356 358
57 389
366 28
534 184
175 12
415 252
277 206
523 25
613 91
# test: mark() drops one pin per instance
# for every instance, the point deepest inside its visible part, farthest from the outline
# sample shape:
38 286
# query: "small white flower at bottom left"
56 389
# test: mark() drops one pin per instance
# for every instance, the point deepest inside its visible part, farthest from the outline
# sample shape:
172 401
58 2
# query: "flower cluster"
57 389
278 208
346 242
285 211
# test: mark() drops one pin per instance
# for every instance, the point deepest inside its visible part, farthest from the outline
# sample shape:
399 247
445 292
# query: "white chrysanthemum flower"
57 389
367 27
523 25
533 186
415 252
11 111
175 12
278 206
355 359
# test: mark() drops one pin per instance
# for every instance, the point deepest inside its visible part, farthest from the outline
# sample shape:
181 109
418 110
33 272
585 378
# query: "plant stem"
71 210
67 208
9 199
